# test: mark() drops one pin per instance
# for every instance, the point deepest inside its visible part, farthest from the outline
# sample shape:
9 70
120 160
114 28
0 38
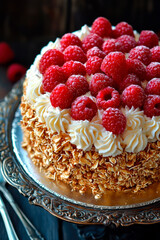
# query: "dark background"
28 25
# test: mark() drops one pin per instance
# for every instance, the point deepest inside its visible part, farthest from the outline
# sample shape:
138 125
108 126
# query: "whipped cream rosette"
57 120
42 104
34 84
134 137
108 144
152 128
83 133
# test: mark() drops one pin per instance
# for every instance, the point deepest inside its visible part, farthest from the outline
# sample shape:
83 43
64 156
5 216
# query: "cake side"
86 170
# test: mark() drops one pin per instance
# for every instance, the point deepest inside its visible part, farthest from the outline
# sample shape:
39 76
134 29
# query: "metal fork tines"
30 229
7 221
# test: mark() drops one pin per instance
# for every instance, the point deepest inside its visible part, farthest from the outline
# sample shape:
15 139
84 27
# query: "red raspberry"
83 108
98 82
152 106
74 67
114 64
126 43
155 54
141 53
153 70
78 85
108 97
123 28
93 65
129 80
92 40
95 51
15 72
111 45
69 39
74 53
114 121
153 87
137 67
52 77
61 96
148 38
6 53
50 57
134 96
102 27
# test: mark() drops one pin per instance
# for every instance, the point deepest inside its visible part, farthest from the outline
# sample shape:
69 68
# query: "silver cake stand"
116 208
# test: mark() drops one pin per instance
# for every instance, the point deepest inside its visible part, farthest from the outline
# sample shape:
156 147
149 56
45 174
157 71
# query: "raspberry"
95 51
74 67
93 65
69 39
50 57
152 106
129 80
6 53
90 41
148 38
155 54
141 53
83 108
52 77
78 85
110 45
108 97
15 72
74 53
123 28
137 67
153 87
134 96
102 27
153 70
98 82
114 64
61 96
126 43
114 121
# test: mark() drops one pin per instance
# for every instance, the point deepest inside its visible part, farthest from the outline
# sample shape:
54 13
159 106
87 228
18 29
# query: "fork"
30 229
7 221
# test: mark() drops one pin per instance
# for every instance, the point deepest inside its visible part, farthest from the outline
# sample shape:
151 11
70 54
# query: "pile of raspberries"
118 67
15 71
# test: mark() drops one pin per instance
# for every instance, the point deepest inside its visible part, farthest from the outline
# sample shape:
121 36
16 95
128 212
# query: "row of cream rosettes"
84 134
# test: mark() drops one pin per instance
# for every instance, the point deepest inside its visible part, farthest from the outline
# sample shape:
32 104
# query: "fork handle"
30 229
7 222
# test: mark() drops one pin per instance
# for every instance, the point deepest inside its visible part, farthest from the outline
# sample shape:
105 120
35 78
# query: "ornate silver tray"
57 198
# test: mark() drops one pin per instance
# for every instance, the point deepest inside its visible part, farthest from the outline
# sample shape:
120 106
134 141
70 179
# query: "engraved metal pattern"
62 208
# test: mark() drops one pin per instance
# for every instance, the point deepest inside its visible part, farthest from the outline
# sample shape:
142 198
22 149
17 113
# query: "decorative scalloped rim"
59 207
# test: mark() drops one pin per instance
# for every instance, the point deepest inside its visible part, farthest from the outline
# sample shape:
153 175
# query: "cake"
91 109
